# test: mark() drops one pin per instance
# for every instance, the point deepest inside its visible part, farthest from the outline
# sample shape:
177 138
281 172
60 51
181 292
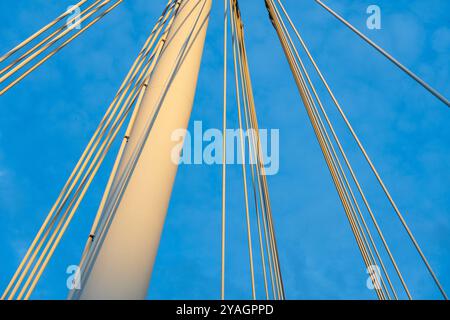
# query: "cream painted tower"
124 264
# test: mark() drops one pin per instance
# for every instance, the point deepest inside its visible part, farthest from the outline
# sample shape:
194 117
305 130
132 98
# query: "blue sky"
46 121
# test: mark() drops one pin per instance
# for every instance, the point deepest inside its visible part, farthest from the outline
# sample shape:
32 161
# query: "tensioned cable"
245 86
320 136
120 186
65 226
73 205
341 176
115 133
350 195
350 168
91 236
264 194
52 53
224 144
253 146
112 114
246 97
247 101
255 153
53 36
139 99
98 221
79 194
357 207
331 164
150 41
330 159
38 33
271 272
270 246
387 55
242 143
367 158
32 54
57 34
386 191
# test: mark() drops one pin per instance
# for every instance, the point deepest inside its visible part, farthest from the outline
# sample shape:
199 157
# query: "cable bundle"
273 282
45 43
128 97
119 180
354 201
